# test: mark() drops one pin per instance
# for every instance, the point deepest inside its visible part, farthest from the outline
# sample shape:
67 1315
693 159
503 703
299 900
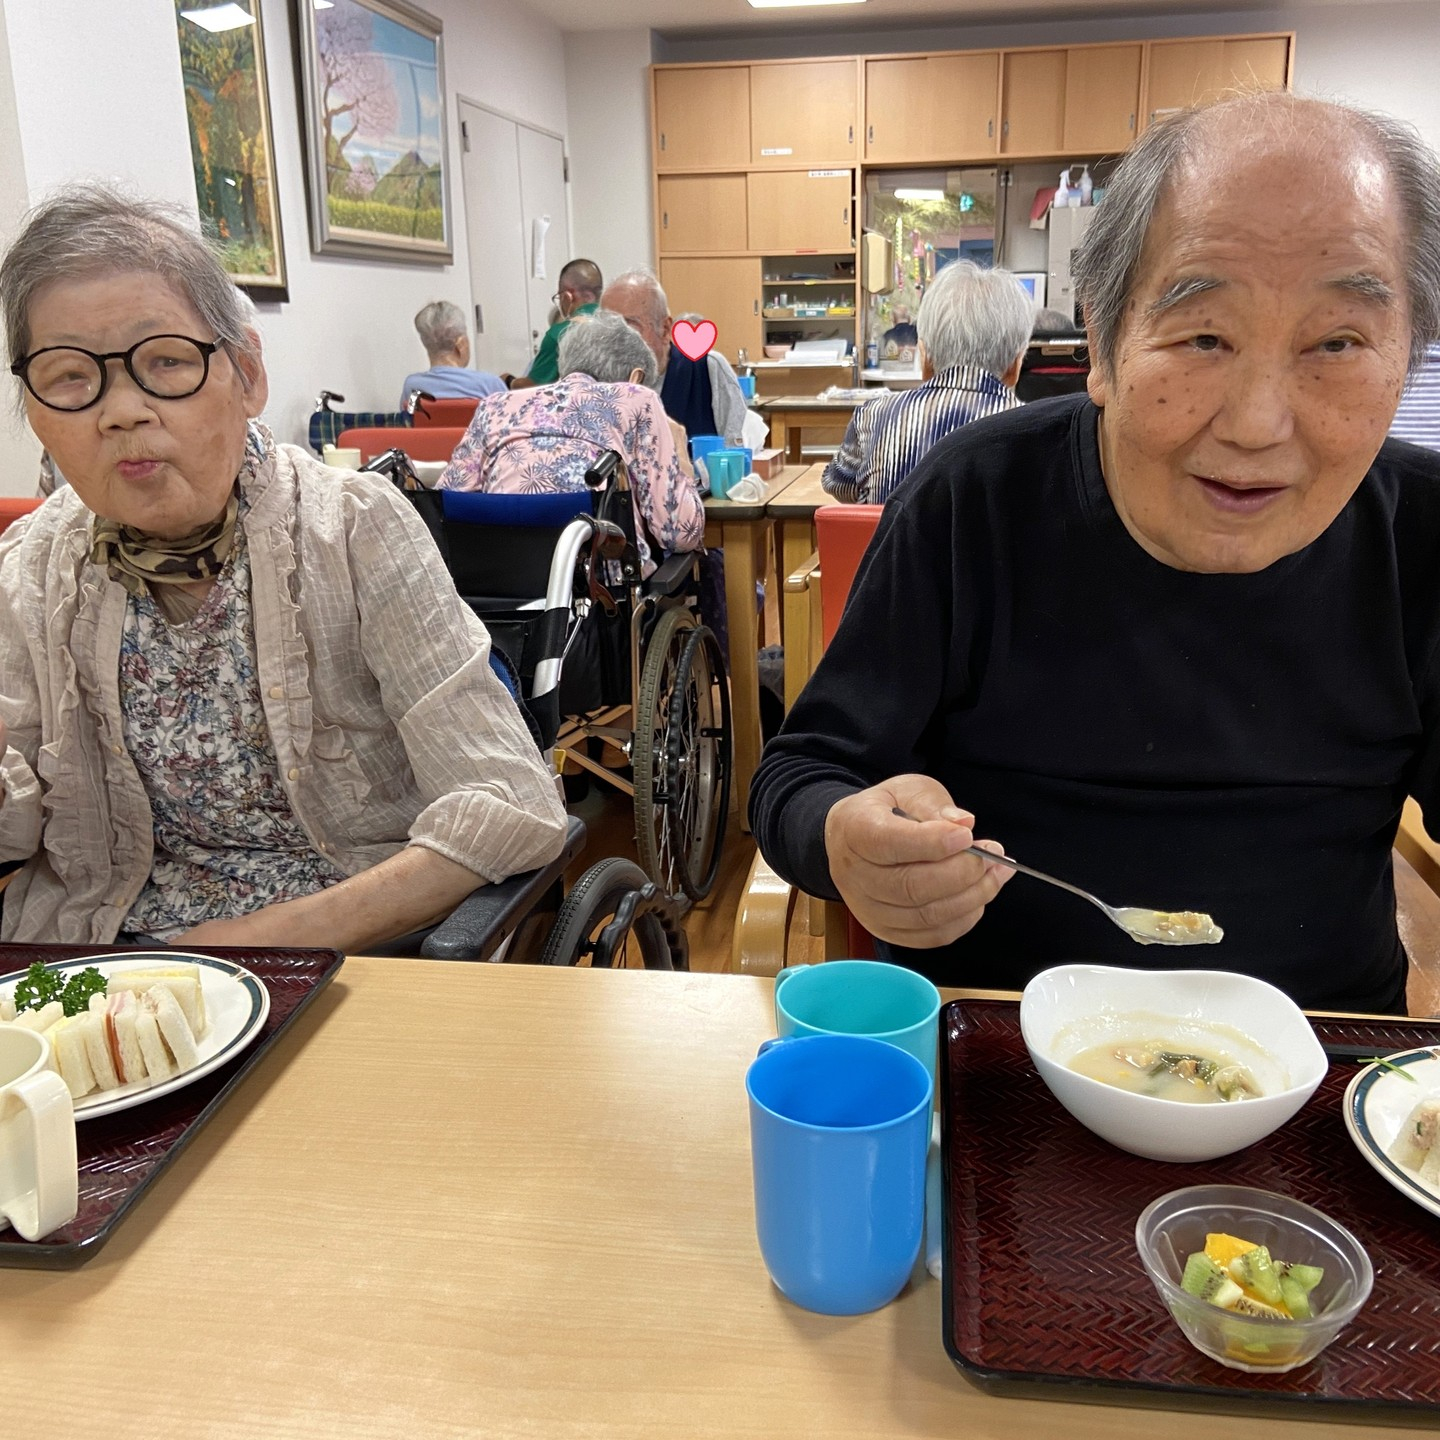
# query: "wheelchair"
605 657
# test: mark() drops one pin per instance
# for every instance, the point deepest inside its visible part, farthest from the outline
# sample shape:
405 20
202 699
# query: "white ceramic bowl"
1073 1007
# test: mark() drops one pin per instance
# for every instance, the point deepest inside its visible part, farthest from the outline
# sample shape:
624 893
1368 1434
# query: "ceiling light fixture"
795 4
219 18
907 194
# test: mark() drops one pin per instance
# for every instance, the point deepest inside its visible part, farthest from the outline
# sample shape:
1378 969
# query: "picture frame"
373 121
232 144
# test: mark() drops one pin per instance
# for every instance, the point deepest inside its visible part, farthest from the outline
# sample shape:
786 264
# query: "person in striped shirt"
1418 418
974 326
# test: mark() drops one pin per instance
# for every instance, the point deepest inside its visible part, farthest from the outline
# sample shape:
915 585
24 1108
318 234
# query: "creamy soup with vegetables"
1166 1071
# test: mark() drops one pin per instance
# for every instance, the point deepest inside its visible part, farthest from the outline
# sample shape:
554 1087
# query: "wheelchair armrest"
482 920
672 575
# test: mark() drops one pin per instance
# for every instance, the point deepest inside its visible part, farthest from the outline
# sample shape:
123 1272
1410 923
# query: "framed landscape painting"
373 92
227 101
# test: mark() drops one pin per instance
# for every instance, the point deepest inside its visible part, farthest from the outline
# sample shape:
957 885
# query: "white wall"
98 93
608 89
19 450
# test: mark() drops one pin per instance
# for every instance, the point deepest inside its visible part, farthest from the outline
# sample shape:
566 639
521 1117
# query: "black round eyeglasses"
65 377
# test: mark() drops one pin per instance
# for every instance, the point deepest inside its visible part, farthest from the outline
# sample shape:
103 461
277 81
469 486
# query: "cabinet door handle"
1005 127
1132 119
845 216
850 135
665 220
479 320
662 139
870 134
757 307
990 128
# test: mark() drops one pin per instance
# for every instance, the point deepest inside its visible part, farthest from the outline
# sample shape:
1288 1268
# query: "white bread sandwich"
158 1062
96 1034
41 1019
173 1026
67 1047
124 1043
183 982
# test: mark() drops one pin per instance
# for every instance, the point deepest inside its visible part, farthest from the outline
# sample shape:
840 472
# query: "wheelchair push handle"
395 465
603 471
322 402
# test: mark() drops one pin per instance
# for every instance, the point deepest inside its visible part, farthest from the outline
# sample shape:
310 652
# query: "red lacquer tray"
1045 1294
121 1155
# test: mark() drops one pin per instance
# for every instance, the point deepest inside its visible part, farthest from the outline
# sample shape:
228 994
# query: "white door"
512 174
542 198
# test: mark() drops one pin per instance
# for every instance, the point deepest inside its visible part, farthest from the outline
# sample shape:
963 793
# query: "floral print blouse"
544 439
226 839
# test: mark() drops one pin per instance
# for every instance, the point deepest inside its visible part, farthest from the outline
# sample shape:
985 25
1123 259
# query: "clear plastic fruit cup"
1173 1227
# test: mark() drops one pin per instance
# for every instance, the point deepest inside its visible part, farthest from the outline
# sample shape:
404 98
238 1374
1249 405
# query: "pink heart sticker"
694 341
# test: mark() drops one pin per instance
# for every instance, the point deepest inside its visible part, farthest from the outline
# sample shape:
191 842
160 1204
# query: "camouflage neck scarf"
135 559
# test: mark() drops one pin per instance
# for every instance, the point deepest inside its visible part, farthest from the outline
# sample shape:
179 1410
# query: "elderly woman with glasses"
240 700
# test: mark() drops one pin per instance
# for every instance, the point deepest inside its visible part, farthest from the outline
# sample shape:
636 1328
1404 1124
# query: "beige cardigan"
388 724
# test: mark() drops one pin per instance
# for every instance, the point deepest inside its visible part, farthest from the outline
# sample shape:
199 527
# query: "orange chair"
13 507
435 443
432 413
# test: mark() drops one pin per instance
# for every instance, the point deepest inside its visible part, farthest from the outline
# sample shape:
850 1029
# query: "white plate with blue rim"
236 1004
1378 1101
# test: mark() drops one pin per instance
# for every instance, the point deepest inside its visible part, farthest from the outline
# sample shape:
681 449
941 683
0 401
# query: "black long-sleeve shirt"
1237 744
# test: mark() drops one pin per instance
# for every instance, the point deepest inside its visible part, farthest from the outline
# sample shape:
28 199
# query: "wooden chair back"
434 443
432 413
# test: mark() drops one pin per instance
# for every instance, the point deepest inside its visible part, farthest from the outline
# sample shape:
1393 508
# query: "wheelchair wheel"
605 920
681 756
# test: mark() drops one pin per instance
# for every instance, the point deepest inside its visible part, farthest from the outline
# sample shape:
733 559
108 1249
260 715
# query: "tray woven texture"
1045 1291
120 1155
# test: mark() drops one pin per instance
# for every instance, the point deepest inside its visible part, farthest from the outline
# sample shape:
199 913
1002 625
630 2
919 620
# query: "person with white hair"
446 337
1176 640
701 395
973 329
542 439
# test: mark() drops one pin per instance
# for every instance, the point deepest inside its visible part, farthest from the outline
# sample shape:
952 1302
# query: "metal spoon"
1147 927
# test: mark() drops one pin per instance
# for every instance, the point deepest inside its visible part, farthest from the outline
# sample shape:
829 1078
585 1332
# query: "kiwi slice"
1205 1280
1246 1306
1297 1298
1307 1277
1256 1272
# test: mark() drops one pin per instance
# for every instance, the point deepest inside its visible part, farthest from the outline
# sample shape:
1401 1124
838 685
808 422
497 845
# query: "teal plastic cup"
861 997
726 469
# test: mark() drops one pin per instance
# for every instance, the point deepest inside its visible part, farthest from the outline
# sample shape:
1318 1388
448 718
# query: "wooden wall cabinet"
800 210
702 212
702 118
725 290
803 112
1033 114
1102 98
1188 72
936 107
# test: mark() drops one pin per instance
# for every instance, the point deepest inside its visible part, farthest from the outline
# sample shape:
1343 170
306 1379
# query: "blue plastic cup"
726 469
861 997
747 386
839 1130
702 445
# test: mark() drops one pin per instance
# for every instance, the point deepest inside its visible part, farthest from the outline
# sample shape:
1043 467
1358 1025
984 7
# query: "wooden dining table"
788 416
489 1200
742 529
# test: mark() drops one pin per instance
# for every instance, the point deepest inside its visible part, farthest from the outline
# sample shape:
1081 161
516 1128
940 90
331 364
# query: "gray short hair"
641 277
972 316
441 327
1108 263
89 230
604 347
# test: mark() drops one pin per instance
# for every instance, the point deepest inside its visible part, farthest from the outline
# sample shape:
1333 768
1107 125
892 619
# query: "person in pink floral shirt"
544 439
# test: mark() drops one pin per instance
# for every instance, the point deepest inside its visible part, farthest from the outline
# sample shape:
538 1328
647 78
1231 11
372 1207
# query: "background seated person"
701 395
902 333
974 327
443 332
244 704
577 293
1177 642
546 438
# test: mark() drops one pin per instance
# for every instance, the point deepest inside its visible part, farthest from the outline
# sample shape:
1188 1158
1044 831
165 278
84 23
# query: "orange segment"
1222 1249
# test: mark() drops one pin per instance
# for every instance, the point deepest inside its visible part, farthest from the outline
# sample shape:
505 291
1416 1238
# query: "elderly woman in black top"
1178 642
